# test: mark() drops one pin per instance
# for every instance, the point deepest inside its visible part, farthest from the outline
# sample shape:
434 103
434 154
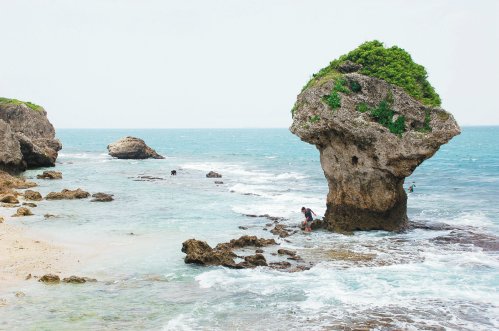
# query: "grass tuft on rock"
7 101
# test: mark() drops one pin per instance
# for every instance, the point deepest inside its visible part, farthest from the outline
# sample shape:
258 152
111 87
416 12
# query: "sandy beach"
22 254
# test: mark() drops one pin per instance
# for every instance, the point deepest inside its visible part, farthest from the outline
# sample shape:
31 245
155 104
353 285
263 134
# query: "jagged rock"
280 230
50 175
26 132
66 194
9 198
30 204
257 260
50 279
259 250
9 182
283 251
280 265
245 241
219 182
213 174
22 211
199 252
102 197
132 148
32 195
364 163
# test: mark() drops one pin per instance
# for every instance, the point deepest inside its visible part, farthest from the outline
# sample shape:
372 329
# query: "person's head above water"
303 209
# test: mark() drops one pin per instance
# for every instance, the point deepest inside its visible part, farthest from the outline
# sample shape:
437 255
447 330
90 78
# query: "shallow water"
373 280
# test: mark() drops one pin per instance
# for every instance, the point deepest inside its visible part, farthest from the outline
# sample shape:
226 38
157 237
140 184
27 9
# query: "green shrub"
393 65
426 126
383 114
340 86
355 86
313 119
334 100
19 102
363 107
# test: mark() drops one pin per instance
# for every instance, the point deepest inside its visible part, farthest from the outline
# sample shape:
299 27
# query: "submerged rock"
102 197
213 174
32 195
50 175
132 148
78 280
371 135
30 204
66 194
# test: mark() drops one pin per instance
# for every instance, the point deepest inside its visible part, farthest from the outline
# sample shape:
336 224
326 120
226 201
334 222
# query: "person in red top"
308 218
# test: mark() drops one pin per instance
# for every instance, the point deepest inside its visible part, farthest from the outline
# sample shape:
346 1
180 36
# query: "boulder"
9 198
66 194
132 148
370 135
213 174
50 175
28 136
1 219
32 195
22 211
50 279
102 197
245 241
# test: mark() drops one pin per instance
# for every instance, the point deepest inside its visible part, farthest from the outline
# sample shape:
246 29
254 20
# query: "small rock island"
26 136
132 148
374 117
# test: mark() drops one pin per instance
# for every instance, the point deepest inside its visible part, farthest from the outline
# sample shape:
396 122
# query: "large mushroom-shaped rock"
372 129
28 134
132 148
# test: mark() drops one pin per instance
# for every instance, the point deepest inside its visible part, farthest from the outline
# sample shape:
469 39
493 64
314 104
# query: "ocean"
412 281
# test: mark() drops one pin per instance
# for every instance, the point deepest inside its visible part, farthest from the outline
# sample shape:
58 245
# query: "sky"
230 63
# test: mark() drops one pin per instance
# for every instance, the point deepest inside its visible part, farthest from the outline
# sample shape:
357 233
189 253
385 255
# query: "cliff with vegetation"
374 117
26 136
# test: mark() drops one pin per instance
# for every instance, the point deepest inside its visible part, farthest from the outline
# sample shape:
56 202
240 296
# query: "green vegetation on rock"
383 114
394 65
426 126
314 118
19 102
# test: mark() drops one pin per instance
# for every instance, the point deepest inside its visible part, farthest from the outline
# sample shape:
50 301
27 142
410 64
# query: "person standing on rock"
307 223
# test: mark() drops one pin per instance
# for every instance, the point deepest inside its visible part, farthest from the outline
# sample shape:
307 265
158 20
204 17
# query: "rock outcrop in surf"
26 136
372 129
132 148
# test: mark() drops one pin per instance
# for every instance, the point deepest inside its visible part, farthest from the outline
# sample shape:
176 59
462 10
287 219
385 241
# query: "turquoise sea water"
412 282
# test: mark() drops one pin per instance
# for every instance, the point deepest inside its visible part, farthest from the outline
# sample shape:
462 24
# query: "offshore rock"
132 148
102 197
32 195
28 137
199 252
66 194
22 211
213 174
364 163
50 279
